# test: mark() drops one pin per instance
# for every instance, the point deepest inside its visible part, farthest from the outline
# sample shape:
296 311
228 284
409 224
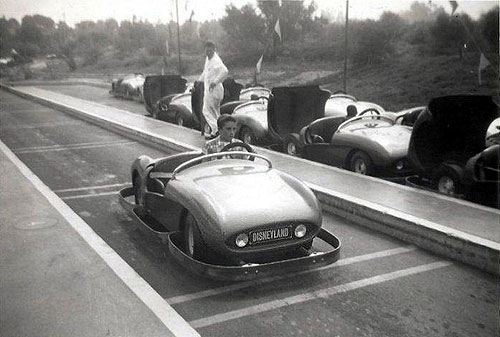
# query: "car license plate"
273 234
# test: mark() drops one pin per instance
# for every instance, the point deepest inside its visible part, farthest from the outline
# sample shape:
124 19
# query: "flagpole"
178 36
346 43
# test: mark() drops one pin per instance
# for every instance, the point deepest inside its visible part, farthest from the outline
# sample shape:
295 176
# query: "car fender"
174 109
378 154
193 201
244 120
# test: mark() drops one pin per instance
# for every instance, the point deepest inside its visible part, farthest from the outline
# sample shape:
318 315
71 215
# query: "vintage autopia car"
447 134
129 87
336 105
369 144
235 208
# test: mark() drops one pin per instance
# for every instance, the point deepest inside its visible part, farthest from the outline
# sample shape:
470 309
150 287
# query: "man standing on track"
214 73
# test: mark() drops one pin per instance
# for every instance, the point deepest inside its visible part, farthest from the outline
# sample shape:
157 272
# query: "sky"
74 11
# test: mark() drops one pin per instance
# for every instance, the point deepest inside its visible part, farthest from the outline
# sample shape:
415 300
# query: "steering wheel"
369 110
237 144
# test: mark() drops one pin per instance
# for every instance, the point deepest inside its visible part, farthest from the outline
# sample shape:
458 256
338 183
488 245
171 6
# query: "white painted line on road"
37 149
76 189
323 293
39 125
165 313
82 196
247 284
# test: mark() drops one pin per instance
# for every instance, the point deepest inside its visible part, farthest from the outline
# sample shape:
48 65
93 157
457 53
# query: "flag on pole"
277 28
198 28
483 63
259 64
191 16
454 6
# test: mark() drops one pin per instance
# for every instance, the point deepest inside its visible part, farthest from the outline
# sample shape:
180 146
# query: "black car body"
448 141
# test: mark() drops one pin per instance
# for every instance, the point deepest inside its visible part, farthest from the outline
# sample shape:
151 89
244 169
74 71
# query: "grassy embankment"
408 80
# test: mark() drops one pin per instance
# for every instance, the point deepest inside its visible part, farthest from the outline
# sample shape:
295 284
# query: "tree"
488 24
245 28
451 32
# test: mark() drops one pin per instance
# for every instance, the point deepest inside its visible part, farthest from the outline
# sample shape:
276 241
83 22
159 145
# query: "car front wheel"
361 163
179 120
448 180
291 145
247 136
193 242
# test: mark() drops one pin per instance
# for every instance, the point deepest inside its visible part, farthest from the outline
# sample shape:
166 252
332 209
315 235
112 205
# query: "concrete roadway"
380 287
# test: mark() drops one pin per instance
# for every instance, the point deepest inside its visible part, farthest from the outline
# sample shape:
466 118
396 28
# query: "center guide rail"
244 272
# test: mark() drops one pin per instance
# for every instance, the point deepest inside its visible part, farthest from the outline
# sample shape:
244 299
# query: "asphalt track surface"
379 287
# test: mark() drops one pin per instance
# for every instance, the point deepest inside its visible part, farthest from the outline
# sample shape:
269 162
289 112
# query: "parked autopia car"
157 87
128 87
268 121
449 148
231 217
370 143
336 105
253 126
185 108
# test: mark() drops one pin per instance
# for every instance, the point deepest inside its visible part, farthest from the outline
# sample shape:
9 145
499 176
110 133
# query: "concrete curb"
61 82
469 249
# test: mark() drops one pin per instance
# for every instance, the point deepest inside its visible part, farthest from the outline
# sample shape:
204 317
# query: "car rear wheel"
179 120
361 163
247 136
291 145
448 180
193 242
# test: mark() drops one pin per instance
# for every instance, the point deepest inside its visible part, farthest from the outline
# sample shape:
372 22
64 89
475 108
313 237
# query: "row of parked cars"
450 145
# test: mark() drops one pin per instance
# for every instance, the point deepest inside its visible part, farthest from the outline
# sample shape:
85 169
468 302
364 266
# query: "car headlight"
400 165
300 231
241 240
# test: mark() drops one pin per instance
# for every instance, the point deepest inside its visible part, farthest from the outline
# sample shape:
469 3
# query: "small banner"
483 64
259 64
454 6
277 29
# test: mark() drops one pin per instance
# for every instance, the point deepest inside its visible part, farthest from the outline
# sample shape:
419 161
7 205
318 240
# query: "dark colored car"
185 108
158 86
280 117
448 144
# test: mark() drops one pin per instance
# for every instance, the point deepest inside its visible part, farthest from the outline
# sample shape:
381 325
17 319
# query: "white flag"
277 28
483 63
259 64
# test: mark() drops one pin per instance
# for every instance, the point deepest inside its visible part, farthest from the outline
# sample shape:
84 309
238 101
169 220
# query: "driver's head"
227 127
352 111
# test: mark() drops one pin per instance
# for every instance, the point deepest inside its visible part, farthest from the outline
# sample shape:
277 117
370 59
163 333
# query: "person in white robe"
214 73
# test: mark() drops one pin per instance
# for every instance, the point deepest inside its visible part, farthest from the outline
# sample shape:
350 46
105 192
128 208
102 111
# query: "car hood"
336 106
393 139
240 194
182 99
257 110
